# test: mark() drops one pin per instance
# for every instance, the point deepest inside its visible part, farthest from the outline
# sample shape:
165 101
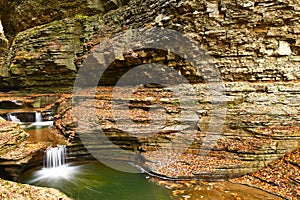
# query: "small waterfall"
55 166
12 118
38 117
55 157
30 119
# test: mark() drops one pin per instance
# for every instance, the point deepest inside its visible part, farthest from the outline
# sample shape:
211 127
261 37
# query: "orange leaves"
281 177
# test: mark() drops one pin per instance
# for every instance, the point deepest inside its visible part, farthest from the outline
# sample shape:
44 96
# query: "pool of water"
43 134
89 180
93 180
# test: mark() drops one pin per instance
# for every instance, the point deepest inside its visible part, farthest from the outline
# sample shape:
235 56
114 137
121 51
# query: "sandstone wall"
248 41
254 44
15 153
20 15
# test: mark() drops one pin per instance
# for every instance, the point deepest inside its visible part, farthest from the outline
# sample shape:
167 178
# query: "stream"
93 180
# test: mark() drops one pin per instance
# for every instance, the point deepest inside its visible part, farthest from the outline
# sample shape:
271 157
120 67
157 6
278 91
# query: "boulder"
15 153
13 190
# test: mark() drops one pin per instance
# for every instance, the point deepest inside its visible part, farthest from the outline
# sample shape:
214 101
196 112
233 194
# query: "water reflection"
93 180
38 134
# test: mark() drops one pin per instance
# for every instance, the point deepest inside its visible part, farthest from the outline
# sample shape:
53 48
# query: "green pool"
93 180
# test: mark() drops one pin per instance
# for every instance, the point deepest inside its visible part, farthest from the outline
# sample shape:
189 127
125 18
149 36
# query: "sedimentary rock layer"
255 41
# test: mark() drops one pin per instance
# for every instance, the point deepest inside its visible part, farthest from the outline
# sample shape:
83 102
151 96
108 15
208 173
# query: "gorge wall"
255 45
247 41
18 16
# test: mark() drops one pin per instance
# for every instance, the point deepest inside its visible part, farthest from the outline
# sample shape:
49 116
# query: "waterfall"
55 157
12 118
29 119
55 166
38 117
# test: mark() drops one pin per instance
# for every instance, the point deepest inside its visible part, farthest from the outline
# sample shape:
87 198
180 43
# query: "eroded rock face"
18 16
15 153
262 124
255 46
3 44
3 50
256 41
280 177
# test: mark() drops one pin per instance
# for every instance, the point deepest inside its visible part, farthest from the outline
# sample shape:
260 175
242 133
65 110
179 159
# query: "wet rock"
280 177
3 44
17 100
254 45
9 105
19 16
3 51
199 189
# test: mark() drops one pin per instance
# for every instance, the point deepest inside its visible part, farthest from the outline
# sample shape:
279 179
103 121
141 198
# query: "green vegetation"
80 16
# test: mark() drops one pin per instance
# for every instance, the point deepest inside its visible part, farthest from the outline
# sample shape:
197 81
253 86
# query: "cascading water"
12 118
33 119
92 180
39 122
55 166
38 117
55 157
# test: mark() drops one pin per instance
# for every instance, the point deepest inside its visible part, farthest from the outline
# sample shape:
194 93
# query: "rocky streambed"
16 156
249 157
15 152
261 126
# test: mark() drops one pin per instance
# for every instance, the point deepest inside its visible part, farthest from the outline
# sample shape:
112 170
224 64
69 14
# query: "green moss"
80 16
176 103
279 89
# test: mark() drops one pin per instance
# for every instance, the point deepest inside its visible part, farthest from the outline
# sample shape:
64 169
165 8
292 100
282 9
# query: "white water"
55 166
39 122
38 117
55 157
1 27
13 118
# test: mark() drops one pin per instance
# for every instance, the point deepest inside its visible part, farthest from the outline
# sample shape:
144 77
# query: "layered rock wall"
15 153
255 45
254 41
18 16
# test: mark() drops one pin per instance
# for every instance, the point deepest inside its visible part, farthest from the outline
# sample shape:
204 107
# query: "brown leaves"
281 177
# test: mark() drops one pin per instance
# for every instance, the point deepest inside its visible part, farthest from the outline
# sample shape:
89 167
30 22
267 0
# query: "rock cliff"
247 41
255 45
18 16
